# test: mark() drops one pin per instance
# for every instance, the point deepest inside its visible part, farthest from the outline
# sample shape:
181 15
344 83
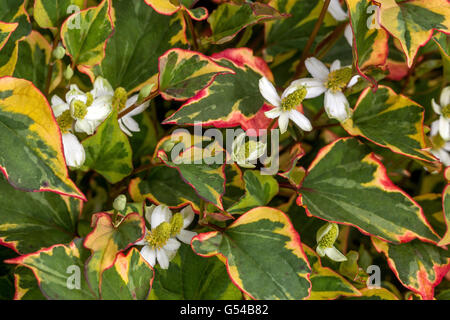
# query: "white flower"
339 14
444 111
160 242
285 106
127 123
331 82
440 148
326 237
73 150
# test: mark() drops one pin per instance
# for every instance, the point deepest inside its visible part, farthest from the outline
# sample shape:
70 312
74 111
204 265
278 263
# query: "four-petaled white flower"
339 14
127 123
440 148
443 110
326 237
286 105
332 82
160 243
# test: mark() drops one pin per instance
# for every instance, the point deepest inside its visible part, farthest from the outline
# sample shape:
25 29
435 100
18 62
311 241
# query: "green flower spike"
326 237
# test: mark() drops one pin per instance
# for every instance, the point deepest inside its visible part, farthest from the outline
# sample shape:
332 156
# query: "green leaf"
164 185
183 73
24 220
52 13
347 184
6 29
260 189
413 22
400 118
446 208
35 53
191 277
140 37
418 265
57 267
232 99
32 159
84 34
144 142
108 151
371 44
27 287
130 278
374 294
108 239
171 7
229 19
326 283
264 255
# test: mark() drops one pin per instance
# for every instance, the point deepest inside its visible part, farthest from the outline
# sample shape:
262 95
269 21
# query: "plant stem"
272 123
188 20
311 39
138 103
48 81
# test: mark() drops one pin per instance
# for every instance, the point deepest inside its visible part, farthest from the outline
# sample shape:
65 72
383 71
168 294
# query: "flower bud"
59 53
246 152
68 73
145 92
120 203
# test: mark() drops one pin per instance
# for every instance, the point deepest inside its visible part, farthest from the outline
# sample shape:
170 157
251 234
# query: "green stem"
137 104
48 81
188 20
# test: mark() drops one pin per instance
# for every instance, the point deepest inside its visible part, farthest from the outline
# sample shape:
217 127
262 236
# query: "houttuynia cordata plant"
225 149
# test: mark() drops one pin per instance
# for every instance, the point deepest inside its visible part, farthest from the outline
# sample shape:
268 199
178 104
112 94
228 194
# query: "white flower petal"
86 126
320 251
444 128
323 231
148 212
58 106
348 34
336 65
434 128
124 129
73 150
163 258
436 107
445 97
336 105
99 110
446 146
269 92
75 93
172 244
188 216
335 254
300 120
141 242
130 124
149 255
102 88
353 81
336 11
317 69
272 114
186 236
314 87
444 157
159 215
131 101
283 121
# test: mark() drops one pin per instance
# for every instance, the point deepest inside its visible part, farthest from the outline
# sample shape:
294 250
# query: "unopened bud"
120 203
59 53
68 73
145 92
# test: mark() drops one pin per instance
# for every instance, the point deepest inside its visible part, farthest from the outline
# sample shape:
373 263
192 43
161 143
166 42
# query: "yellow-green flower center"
338 79
176 224
78 109
157 238
437 142
329 238
294 99
446 111
65 121
120 98
90 99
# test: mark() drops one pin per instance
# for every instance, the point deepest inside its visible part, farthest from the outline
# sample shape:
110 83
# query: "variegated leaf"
183 73
170 8
347 184
446 207
375 294
418 265
391 121
413 22
31 136
264 255
6 29
26 285
52 13
84 34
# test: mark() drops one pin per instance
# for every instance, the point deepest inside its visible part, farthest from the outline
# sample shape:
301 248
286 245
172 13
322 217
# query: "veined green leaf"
418 265
24 220
264 255
260 189
33 158
413 22
140 37
391 121
347 184
84 34
130 278
108 151
185 279
183 73
52 13
26 284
